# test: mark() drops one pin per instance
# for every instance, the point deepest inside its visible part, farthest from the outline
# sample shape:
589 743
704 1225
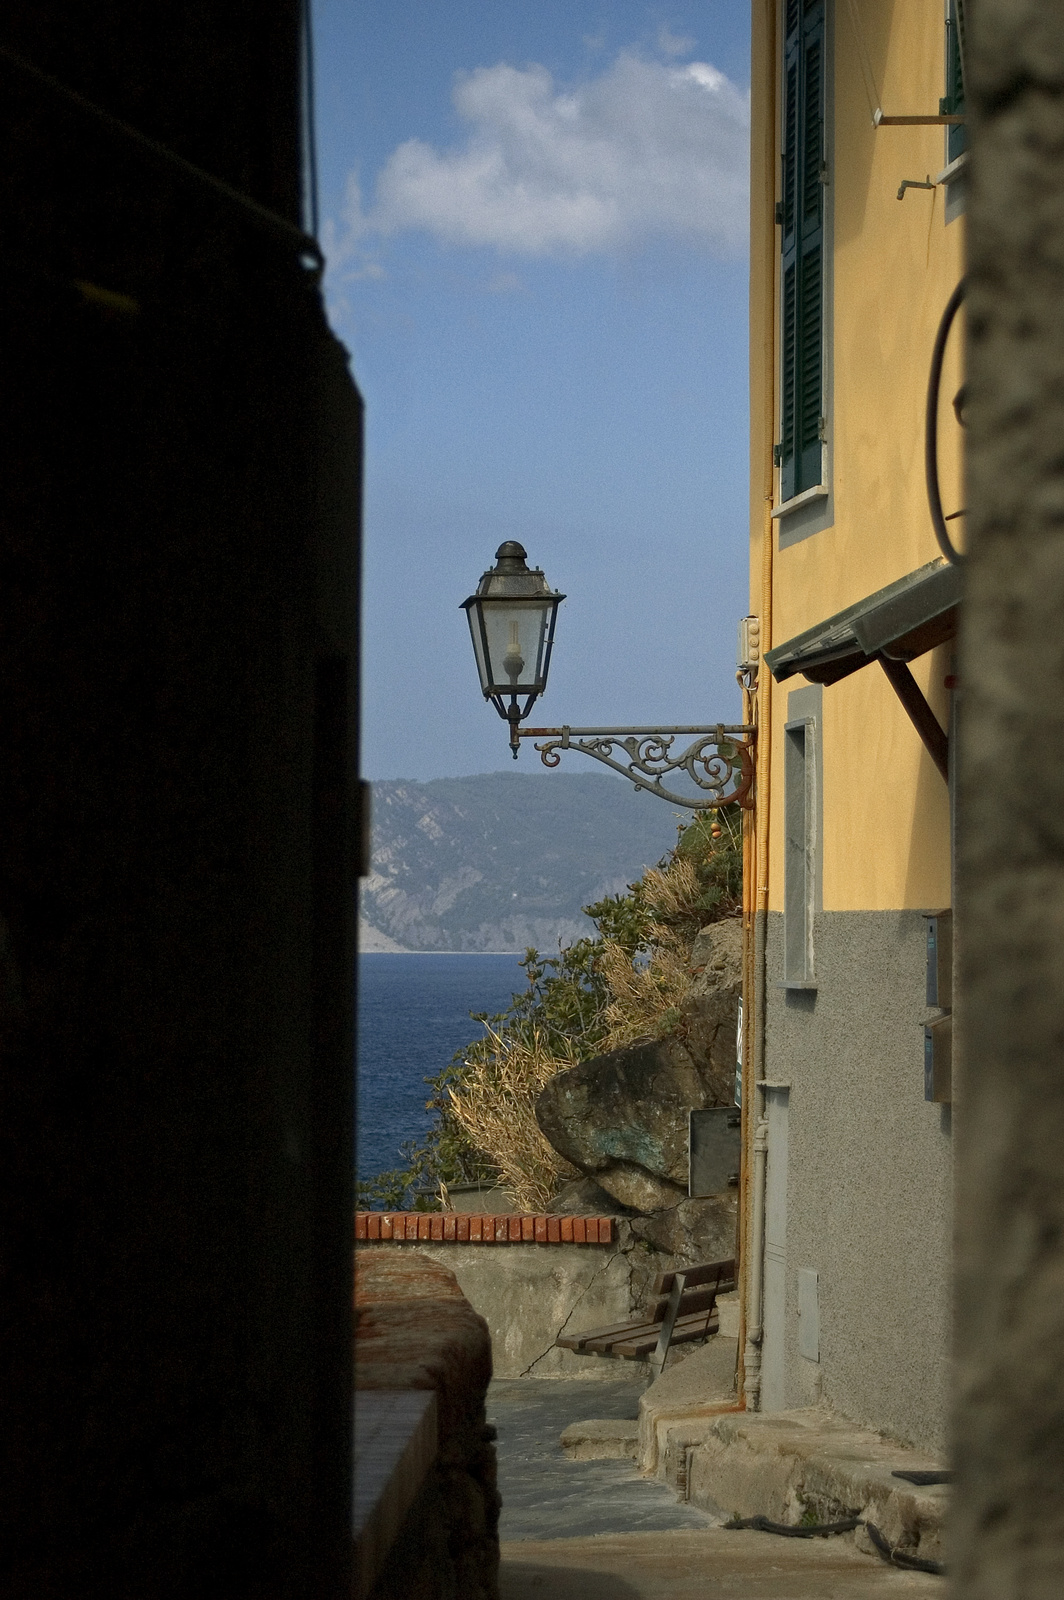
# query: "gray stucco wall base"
869 1176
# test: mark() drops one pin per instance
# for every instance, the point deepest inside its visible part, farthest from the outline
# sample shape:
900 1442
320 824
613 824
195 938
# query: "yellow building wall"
885 807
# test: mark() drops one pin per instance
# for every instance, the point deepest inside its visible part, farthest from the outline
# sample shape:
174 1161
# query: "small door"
773 1364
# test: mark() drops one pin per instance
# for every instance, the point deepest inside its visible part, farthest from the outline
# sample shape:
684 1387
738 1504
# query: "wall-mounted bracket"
719 761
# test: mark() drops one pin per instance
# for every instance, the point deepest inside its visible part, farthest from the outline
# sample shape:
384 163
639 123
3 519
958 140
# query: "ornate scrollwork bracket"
719 761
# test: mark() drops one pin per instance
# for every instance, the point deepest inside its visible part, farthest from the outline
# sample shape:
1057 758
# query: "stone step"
601 1439
811 1465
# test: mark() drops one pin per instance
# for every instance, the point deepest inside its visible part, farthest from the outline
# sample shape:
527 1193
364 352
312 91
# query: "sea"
413 1014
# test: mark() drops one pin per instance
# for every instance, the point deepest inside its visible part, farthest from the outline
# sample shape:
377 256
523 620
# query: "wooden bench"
682 1308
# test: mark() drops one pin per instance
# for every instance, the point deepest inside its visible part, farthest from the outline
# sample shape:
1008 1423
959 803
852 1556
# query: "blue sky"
535 220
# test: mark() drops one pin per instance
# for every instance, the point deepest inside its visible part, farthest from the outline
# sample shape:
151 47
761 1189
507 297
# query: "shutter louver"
956 136
801 377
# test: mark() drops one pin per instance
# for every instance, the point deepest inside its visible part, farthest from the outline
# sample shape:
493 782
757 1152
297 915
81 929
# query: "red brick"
567 1230
462 1230
514 1228
502 1230
476 1228
540 1229
424 1226
580 1230
387 1227
528 1227
450 1224
412 1226
360 1225
436 1226
373 1225
554 1230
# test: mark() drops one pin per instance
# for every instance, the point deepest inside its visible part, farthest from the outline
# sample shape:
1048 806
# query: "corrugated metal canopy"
901 622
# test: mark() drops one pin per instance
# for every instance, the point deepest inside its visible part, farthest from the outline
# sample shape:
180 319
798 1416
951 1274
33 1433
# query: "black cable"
898 1558
823 1530
934 498
789 1530
260 216
308 115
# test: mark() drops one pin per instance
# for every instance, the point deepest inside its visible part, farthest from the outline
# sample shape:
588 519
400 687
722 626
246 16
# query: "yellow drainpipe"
763 166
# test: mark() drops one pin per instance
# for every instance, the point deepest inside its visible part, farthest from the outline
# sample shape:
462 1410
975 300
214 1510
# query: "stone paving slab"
714 1564
545 1496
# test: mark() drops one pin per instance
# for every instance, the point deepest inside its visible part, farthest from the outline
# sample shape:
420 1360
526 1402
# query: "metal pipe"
764 357
754 1326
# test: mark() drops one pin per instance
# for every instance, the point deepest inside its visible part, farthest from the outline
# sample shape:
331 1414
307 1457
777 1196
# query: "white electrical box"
749 644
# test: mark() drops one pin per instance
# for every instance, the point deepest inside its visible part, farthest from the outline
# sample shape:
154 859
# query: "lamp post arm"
718 760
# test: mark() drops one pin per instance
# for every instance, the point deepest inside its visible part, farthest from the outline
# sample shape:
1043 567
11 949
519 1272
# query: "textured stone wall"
414 1329
530 1293
877 1231
1008 1534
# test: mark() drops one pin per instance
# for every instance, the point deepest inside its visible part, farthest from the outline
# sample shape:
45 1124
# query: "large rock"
710 1009
583 1197
637 1189
693 1231
621 1118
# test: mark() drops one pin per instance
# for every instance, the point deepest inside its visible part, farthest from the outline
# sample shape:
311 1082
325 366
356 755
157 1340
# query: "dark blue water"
413 1015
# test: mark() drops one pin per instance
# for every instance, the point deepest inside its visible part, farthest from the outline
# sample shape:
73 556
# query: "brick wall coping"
458 1227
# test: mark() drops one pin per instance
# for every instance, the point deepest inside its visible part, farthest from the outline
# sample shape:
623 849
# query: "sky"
534 215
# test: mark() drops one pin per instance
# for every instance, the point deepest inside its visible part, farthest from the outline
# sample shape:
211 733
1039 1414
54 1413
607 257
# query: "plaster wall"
892 267
869 1176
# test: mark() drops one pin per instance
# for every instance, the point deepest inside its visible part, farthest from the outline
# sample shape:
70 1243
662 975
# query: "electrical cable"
934 383
865 60
788 1530
310 131
824 1530
260 216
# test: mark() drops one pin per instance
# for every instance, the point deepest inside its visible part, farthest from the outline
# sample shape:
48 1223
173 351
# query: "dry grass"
496 1110
495 1105
644 1000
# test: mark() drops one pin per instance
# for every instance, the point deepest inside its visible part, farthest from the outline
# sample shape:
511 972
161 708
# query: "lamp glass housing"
511 620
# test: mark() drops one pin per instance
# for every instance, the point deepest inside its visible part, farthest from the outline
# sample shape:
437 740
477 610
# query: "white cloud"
672 44
643 150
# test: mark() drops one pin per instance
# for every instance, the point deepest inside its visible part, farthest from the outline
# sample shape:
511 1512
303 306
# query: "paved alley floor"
596 1530
712 1565
546 1496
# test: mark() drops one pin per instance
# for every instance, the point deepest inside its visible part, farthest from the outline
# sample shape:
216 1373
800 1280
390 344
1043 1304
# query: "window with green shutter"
952 101
801 216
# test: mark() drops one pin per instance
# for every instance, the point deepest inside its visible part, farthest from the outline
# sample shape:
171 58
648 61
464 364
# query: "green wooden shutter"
802 245
953 100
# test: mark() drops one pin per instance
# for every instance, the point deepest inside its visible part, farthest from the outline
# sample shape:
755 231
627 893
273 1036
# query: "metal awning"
901 622
892 626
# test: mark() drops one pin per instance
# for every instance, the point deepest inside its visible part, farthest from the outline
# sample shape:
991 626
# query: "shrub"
622 985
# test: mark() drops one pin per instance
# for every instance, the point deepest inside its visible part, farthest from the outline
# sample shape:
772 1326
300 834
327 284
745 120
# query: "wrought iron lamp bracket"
719 760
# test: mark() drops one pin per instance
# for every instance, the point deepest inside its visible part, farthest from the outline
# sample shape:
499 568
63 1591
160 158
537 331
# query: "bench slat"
690 1300
695 1277
687 1329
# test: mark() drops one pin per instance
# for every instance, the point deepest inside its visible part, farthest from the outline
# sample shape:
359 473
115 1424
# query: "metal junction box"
938 1060
940 959
714 1141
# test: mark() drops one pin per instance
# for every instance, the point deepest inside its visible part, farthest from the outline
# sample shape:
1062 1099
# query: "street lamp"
511 620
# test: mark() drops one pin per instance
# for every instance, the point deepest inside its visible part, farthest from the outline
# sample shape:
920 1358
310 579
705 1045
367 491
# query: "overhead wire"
868 76
260 216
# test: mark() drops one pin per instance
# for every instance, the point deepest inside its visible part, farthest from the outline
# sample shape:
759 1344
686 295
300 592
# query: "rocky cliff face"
504 860
622 1118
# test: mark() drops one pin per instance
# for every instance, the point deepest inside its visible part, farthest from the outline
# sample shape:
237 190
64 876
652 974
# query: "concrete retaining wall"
529 1294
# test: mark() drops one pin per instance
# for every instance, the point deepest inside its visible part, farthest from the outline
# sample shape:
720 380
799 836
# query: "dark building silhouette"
179 502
